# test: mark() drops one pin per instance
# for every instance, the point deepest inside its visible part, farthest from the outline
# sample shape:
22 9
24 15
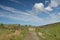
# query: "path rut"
31 35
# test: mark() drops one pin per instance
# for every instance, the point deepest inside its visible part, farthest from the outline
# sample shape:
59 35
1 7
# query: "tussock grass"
50 32
12 34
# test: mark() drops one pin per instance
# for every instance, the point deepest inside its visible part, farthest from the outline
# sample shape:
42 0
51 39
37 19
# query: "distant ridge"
49 25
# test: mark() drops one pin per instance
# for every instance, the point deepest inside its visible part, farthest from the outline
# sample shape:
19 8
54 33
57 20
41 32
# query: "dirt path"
31 35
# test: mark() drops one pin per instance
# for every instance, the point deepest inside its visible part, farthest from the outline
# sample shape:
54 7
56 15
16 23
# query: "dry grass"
16 34
41 34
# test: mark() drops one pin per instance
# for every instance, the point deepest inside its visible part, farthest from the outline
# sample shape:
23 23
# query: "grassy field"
12 32
49 32
19 32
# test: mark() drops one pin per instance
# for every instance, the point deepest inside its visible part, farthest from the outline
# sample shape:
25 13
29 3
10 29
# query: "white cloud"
48 8
54 3
19 15
39 7
28 17
58 1
58 15
18 2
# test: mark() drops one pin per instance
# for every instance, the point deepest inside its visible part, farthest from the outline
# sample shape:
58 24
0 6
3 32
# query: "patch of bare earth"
31 35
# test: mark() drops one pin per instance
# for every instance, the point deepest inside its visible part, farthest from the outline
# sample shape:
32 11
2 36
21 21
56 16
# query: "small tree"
25 25
30 26
1 25
17 26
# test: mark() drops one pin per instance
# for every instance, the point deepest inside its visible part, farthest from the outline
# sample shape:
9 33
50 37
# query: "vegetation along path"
31 35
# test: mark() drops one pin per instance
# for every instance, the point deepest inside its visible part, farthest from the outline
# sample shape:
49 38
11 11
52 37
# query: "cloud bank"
28 16
39 7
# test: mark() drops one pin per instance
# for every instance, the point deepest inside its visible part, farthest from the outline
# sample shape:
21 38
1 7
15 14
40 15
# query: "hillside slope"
50 31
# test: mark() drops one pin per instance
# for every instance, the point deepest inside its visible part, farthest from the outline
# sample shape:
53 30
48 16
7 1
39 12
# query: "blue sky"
30 12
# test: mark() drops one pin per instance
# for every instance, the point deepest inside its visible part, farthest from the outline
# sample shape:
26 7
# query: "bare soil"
31 35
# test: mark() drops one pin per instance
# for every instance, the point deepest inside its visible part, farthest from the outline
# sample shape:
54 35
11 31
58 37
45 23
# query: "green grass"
5 32
50 32
23 34
20 37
